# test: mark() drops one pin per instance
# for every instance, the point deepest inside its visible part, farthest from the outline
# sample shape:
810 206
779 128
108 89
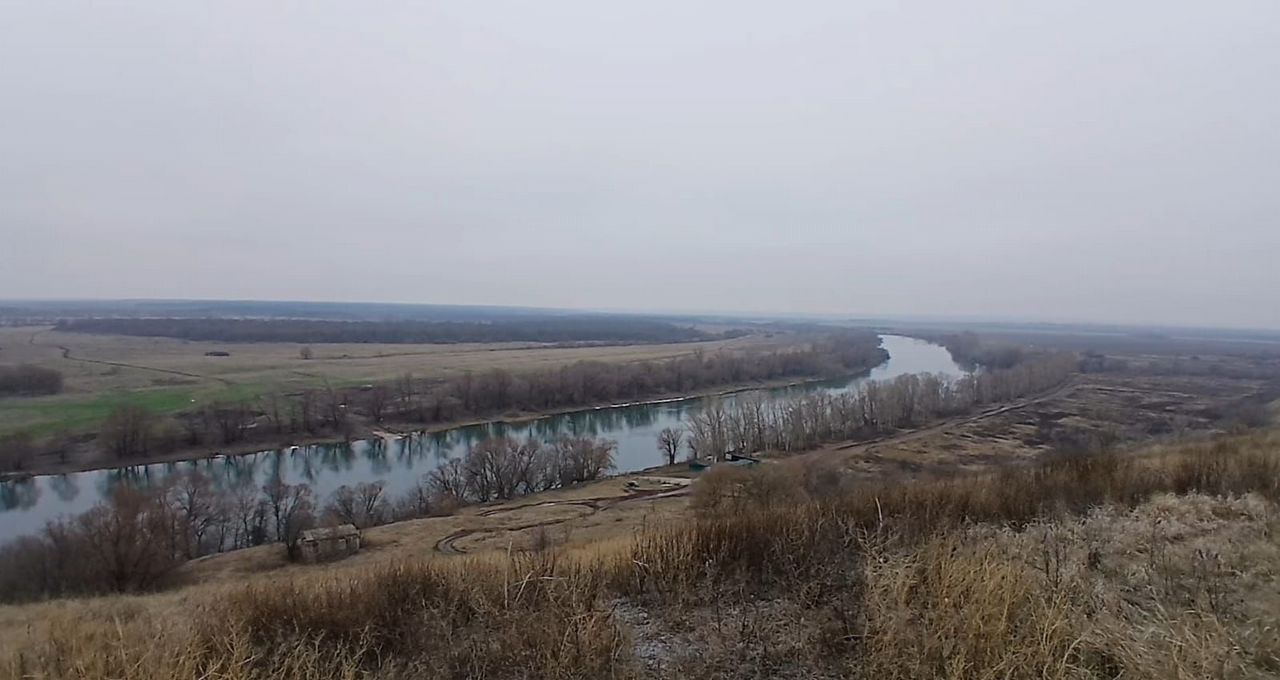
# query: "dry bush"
1081 567
727 488
532 616
124 544
960 608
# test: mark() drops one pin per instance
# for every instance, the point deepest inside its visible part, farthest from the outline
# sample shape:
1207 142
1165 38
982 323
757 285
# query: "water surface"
26 505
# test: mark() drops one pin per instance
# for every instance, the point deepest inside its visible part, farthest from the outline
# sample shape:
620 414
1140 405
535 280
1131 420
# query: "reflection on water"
25 505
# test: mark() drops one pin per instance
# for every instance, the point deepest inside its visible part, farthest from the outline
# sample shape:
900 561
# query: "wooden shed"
330 543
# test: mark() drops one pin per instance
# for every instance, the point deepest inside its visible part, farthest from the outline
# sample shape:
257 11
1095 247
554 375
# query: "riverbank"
45 467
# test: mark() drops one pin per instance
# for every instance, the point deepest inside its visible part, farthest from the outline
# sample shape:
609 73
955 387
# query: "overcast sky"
1082 160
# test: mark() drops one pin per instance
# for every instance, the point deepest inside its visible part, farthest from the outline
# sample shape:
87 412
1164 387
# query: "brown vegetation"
132 433
28 380
876 409
1022 573
132 540
543 329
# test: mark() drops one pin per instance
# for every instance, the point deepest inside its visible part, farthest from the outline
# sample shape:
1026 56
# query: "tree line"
549 330
135 539
131 431
29 380
969 350
877 408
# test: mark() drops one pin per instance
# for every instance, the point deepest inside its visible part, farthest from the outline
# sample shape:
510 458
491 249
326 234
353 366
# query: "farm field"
168 375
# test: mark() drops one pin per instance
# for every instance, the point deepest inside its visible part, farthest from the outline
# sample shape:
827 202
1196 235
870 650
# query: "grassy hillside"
1158 564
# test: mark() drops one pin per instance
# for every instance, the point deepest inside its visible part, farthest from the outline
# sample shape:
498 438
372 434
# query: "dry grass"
1121 409
1159 565
167 374
256 363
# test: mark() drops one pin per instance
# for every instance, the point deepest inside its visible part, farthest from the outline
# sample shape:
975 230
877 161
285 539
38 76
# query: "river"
26 505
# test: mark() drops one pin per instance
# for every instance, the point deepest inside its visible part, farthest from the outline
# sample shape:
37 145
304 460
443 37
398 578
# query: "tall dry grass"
984 576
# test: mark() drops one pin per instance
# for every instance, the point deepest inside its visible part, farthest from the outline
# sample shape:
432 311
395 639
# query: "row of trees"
28 380
134 539
758 424
132 432
586 383
968 349
502 468
545 329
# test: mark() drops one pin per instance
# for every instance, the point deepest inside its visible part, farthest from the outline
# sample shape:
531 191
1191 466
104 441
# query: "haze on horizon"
1114 162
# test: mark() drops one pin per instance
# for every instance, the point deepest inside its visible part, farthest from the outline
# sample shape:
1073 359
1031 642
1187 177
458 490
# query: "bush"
892 580
124 544
27 380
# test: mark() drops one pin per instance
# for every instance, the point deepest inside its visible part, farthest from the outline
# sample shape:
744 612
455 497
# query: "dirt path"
66 354
1070 386
448 544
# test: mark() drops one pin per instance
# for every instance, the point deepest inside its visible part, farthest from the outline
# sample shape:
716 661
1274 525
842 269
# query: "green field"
74 414
165 375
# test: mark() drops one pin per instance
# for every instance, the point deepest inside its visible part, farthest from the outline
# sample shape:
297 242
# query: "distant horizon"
852 317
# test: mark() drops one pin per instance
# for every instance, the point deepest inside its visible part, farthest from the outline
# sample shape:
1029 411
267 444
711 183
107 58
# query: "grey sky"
1087 160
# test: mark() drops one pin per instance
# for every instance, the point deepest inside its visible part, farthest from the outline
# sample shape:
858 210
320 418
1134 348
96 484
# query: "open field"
1093 411
170 375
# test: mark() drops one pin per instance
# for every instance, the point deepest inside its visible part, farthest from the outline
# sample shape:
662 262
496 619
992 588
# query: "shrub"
28 380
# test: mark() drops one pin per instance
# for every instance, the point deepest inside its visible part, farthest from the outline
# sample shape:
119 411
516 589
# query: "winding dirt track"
448 544
1065 389
66 354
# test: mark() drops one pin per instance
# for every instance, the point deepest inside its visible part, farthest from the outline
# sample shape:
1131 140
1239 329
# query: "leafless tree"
16 450
582 459
127 431
125 540
669 442
450 481
198 508
377 400
292 510
363 505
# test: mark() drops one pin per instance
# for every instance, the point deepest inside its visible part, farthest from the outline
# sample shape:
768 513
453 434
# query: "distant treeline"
971 351
27 380
53 310
132 432
556 330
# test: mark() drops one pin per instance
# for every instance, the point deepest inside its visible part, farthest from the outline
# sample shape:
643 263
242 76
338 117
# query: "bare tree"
493 469
582 459
449 482
292 510
16 450
269 404
127 431
125 540
378 399
363 505
669 442
198 508
708 431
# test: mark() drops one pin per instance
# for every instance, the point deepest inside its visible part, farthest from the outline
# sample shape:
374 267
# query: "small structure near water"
332 543
731 457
